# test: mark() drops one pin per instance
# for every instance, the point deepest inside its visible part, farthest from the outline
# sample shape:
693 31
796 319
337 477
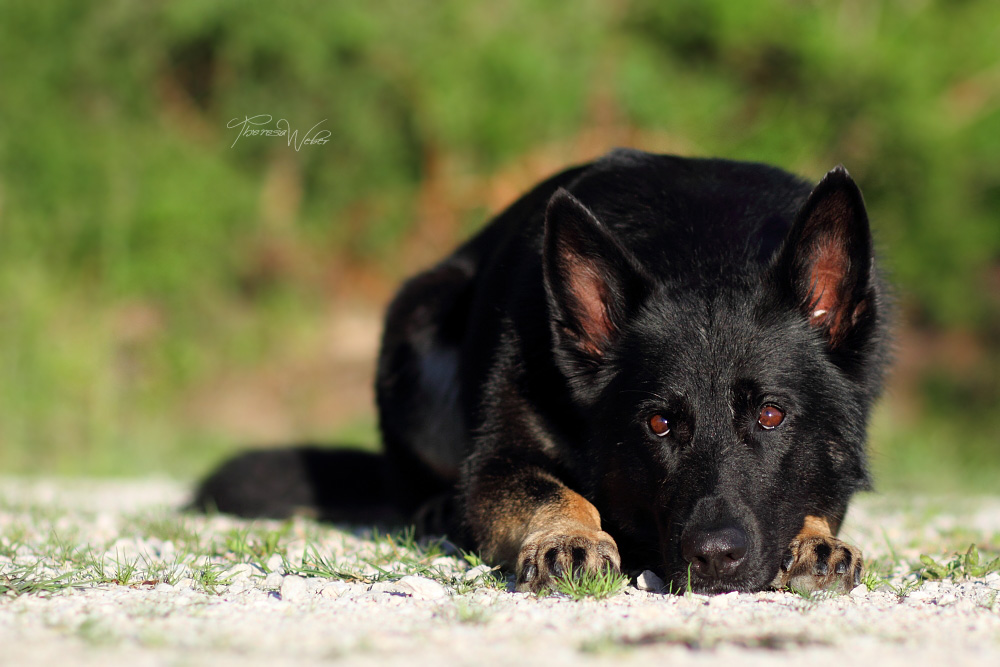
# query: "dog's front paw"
818 563
566 549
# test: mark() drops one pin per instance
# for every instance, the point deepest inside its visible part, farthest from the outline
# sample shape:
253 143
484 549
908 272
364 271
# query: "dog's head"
718 406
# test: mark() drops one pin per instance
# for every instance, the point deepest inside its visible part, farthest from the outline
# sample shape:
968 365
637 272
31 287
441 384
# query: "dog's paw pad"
819 563
564 550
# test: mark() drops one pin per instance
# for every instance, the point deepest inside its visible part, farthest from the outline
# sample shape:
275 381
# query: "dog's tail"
329 484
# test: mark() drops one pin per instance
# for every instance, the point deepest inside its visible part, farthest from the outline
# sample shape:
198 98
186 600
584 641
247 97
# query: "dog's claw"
786 564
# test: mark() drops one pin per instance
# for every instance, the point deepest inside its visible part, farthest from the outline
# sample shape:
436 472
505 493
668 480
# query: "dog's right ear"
593 284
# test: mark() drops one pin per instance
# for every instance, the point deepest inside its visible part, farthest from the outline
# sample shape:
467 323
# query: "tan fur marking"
508 532
815 526
570 507
558 537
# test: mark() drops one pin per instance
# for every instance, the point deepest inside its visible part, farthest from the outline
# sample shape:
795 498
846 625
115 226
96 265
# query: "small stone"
334 589
859 591
164 588
376 596
273 581
275 563
965 606
420 587
293 587
444 563
477 572
484 596
649 581
240 571
723 600
239 586
184 584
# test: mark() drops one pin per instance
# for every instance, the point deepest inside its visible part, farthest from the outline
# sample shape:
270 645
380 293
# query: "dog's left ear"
827 258
593 284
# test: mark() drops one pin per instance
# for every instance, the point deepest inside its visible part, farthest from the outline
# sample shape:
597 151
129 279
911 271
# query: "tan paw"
820 563
567 548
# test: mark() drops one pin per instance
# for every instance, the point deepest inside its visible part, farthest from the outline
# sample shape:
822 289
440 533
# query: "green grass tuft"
871 579
599 585
961 566
25 581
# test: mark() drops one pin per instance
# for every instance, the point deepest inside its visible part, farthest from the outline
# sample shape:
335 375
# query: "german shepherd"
647 361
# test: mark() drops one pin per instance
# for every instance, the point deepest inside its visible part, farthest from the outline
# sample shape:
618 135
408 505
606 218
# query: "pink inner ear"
589 293
829 265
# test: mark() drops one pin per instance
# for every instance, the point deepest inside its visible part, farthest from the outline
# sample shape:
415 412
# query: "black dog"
647 361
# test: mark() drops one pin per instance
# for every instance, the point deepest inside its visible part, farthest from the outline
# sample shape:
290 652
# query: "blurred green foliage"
132 230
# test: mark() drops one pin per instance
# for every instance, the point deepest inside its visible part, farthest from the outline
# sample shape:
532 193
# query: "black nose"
714 554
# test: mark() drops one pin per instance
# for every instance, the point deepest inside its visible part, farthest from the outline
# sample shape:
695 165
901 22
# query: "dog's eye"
659 425
770 416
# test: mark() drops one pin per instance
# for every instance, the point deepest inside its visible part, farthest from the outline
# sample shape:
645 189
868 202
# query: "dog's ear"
827 258
593 284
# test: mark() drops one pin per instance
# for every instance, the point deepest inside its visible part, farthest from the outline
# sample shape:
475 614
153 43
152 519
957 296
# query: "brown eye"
659 425
770 417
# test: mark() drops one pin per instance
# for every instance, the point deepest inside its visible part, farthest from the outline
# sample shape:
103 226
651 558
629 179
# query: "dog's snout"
715 554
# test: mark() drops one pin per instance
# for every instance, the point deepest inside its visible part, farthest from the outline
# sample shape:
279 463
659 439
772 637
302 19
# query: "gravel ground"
143 584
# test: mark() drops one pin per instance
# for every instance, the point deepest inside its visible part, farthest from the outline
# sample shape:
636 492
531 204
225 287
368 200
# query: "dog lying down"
646 362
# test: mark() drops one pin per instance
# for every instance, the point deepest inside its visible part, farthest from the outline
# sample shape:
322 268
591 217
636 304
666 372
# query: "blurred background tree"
167 296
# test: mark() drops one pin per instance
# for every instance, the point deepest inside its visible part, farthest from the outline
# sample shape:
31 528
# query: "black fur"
531 360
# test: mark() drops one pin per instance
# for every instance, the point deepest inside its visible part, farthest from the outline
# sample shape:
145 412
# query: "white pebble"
648 581
859 591
965 606
724 600
274 563
333 589
184 584
240 571
239 586
477 571
272 581
376 596
420 587
294 587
